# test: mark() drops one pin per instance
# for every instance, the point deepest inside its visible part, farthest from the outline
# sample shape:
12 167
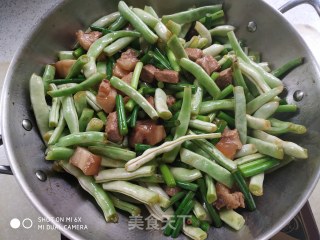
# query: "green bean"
239 81
121 116
173 60
146 17
59 153
70 113
151 153
38 102
248 158
113 152
108 175
203 118
213 50
194 232
181 130
180 221
167 175
221 30
196 99
203 32
240 113
258 123
95 124
178 87
205 165
137 23
246 149
202 126
92 101
64 55
78 52
66 81
271 80
202 77
184 174
58 130
97 47
232 218
77 66
270 149
256 184
48 76
81 138
267 110
135 191
80 101
212 212
258 166
136 75
112 163
174 27
55 109
102 116
224 116
215 154
156 178
125 206
118 45
90 68
88 184
176 47
160 101
107 20
192 14
289 66
118 24
287 108
291 127
91 81
135 96
84 119
194 148
176 106
226 92
289 148
244 189
256 103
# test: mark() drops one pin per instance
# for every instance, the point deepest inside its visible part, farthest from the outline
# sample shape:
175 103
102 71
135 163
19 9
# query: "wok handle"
293 3
4 169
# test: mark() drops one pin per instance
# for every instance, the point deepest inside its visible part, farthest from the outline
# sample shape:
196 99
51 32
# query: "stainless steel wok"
286 190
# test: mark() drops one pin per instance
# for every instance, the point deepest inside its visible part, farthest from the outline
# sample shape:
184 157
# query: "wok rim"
19 175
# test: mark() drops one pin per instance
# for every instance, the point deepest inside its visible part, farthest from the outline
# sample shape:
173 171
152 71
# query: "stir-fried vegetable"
170 111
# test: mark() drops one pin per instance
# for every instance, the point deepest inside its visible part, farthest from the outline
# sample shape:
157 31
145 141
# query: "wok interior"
285 190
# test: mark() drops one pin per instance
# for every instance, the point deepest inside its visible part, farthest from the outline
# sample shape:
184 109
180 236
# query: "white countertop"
13 202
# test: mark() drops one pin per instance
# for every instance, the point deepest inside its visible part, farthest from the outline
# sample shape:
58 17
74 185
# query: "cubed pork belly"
88 162
168 76
63 67
209 64
147 132
119 72
106 96
229 143
128 60
86 39
112 128
224 79
170 100
194 53
147 73
228 199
